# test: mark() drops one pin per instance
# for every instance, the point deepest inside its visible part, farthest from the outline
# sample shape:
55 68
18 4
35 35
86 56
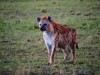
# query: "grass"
22 49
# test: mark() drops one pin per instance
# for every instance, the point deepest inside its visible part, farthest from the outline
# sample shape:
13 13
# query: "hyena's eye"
40 24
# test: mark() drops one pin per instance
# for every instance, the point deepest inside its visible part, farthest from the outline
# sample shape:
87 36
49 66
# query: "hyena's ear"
49 18
38 19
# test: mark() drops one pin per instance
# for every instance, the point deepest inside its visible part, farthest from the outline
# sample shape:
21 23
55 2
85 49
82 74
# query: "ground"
22 49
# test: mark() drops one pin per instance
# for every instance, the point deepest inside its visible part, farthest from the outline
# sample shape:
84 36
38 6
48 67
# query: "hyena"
57 35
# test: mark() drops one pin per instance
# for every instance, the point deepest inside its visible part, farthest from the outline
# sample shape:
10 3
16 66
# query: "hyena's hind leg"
73 45
72 48
66 53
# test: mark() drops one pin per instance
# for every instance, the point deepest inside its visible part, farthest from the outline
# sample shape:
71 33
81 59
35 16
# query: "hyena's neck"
53 26
58 27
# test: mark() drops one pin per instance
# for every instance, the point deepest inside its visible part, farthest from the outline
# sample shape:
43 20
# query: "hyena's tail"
77 46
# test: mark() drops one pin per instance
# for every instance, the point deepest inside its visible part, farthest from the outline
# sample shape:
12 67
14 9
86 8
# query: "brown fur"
61 36
65 36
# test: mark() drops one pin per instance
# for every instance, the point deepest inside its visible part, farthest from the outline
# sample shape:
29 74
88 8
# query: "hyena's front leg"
51 60
51 52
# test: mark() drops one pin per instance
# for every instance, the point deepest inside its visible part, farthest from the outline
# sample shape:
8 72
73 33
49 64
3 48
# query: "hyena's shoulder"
70 28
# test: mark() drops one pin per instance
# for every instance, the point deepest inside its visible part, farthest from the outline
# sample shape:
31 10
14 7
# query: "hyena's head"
44 23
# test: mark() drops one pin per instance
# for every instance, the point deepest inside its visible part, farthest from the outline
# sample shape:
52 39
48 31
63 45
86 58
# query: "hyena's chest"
49 38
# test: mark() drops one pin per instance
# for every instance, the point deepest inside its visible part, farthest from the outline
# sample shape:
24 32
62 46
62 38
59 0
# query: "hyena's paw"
64 60
72 62
50 63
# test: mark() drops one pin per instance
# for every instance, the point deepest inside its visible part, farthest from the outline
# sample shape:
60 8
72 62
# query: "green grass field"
22 49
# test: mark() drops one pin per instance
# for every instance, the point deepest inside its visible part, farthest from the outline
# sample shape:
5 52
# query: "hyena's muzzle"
43 27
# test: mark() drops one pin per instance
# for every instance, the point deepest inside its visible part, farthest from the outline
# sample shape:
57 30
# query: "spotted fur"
60 36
